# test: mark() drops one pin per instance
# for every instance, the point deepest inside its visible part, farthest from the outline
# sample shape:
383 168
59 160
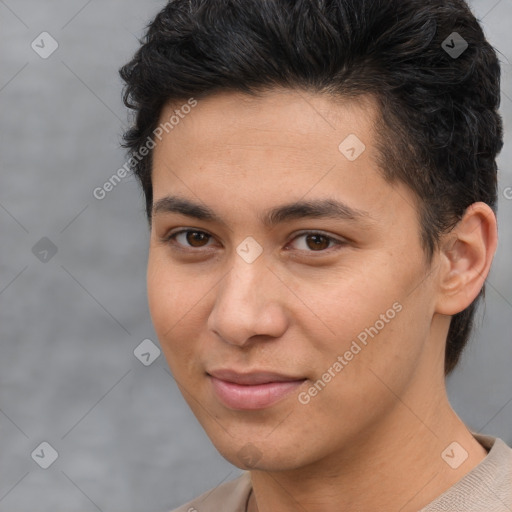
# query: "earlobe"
466 255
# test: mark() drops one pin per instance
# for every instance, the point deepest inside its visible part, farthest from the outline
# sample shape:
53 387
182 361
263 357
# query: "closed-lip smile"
251 390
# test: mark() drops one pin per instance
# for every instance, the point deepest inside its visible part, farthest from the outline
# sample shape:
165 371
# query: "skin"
372 438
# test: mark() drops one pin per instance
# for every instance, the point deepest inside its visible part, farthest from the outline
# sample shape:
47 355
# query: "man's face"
303 347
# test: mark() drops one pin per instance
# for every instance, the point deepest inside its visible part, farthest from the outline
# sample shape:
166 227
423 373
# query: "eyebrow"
319 208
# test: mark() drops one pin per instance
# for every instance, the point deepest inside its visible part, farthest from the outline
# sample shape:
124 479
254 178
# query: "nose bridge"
245 287
246 303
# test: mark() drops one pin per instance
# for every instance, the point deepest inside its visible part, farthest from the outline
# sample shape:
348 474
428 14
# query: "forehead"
259 150
276 118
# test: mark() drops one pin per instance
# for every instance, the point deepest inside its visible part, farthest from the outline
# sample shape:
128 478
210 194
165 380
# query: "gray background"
68 376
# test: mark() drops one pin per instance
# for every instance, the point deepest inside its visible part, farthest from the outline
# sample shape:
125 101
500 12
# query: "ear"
466 254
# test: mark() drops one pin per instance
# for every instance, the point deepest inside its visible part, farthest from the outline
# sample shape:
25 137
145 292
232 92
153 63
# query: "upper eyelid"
169 235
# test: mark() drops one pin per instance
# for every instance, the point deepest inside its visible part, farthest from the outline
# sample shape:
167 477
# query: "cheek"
381 353
341 307
174 305
162 295
172 293
373 321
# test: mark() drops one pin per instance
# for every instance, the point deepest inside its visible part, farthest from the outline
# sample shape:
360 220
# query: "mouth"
252 391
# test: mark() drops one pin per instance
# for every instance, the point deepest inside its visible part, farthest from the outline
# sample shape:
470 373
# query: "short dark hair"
440 130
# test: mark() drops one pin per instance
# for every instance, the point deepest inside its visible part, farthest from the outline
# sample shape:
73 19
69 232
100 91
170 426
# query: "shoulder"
231 496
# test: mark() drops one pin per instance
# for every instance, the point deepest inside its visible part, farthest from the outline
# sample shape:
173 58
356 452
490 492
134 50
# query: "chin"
262 454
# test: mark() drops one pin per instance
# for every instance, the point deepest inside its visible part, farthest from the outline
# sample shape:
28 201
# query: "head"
244 108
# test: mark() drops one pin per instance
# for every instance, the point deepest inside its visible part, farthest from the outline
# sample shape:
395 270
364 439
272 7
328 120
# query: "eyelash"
171 239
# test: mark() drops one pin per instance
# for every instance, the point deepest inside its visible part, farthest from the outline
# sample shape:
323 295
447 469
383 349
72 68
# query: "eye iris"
319 242
194 238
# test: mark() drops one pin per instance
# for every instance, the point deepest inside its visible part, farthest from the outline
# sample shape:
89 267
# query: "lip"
252 391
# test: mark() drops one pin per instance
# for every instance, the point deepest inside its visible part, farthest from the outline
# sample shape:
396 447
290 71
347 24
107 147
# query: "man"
320 181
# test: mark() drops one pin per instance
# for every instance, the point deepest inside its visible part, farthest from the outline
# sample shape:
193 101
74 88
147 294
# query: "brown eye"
314 241
189 238
317 242
197 238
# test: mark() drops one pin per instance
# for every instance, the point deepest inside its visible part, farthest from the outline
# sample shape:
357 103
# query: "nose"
249 303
